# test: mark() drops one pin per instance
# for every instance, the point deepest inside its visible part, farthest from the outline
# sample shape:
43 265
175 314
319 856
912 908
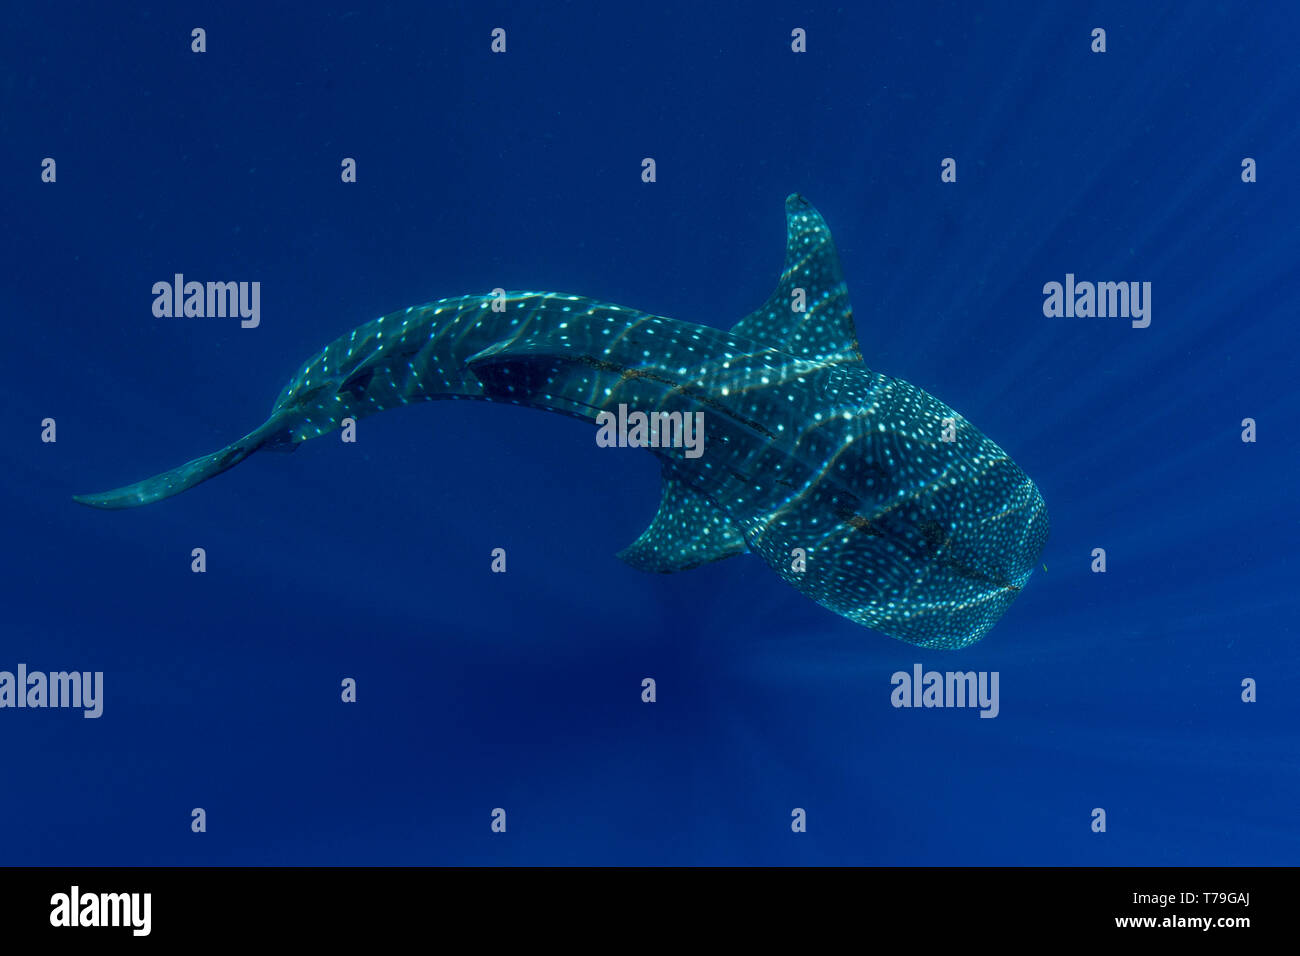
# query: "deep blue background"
522 690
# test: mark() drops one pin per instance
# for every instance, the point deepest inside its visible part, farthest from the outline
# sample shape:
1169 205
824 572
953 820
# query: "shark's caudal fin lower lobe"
181 478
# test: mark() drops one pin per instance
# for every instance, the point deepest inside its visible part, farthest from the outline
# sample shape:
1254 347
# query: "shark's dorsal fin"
824 330
688 530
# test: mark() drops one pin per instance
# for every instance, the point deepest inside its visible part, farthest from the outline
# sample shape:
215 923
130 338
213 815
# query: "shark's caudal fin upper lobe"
181 478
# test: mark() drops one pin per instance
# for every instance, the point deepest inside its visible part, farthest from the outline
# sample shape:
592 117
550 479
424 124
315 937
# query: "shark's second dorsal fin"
688 530
824 329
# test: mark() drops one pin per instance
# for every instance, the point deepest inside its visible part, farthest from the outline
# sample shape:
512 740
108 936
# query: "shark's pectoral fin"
809 314
689 530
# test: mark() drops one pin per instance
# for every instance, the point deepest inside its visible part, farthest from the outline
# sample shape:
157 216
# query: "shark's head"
930 548
913 522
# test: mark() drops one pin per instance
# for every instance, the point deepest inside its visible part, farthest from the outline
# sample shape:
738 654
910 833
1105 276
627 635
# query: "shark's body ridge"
839 477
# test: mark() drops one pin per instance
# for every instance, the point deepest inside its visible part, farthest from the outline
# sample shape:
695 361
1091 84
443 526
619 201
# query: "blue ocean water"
522 691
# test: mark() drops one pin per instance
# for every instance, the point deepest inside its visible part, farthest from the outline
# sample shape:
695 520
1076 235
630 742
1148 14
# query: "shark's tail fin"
185 476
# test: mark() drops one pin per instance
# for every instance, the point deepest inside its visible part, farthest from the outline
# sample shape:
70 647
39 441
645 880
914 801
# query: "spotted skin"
807 451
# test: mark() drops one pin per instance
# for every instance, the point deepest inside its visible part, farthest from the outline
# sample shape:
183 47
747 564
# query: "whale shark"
865 493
